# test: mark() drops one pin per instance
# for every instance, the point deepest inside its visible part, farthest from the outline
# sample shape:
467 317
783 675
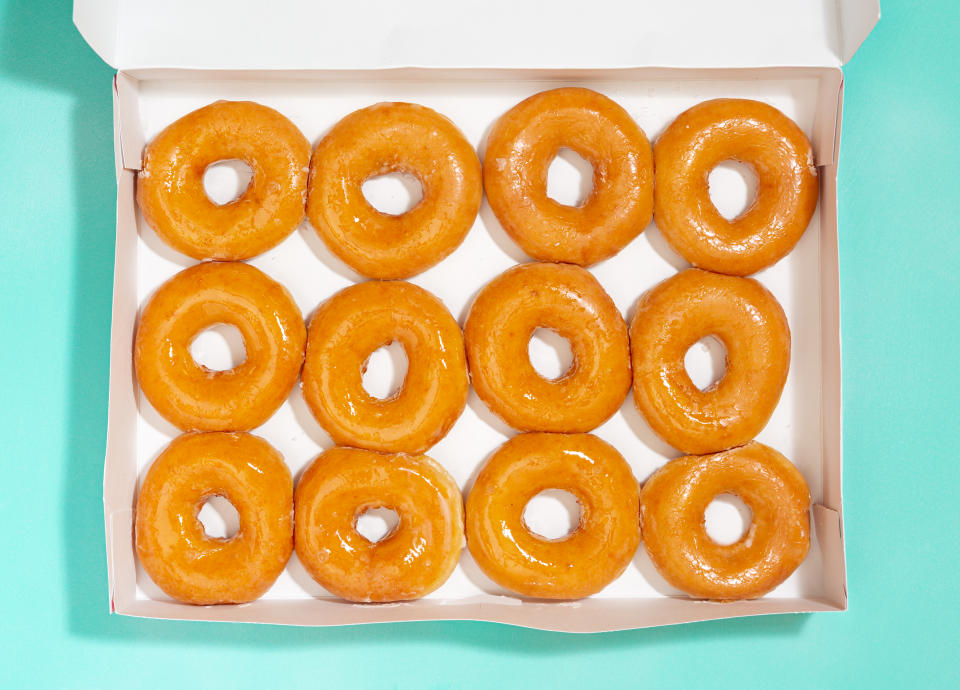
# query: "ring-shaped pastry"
579 564
750 323
568 300
381 139
520 149
672 505
346 329
780 155
190 395
409 562
170 188
171 543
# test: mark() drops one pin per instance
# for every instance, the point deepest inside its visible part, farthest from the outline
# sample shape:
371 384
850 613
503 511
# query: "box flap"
286 34
857 19
98 21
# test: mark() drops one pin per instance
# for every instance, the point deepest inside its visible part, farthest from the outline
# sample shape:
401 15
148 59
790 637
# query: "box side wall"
119 473
588 616
831 394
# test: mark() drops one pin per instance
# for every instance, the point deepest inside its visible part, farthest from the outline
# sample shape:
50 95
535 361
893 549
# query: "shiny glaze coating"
568 300
408 563
579 564
190 395
171 544
750 132
346 329
170 186
672 505
381 139
520 149
749 322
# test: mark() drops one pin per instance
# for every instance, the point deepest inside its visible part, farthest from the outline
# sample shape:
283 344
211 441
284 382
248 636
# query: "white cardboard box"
472 61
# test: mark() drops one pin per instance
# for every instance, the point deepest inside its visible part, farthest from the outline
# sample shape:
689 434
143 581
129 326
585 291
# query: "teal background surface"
900 250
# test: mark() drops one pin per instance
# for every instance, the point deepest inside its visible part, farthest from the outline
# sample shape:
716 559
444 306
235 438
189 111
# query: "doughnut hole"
385 371
394 193
377 524
733 188
727 519
226 181
219 518
550 354
569 178
553 514
219 348
706 362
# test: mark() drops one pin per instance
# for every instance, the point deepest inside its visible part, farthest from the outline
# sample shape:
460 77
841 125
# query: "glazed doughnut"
672 505
520 149
408 563
381 139
191 396
170 186
347 329
753 133
565 299
171 544
749 322
579 564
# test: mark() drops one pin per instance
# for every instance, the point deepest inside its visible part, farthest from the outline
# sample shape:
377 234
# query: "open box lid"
288 34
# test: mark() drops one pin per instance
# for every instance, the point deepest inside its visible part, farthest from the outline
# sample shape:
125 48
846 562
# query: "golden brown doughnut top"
748 320
171 543
175 204
194 397
410 562
346 329
672 505
522 145
385 138
566 299
583 562
753 133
